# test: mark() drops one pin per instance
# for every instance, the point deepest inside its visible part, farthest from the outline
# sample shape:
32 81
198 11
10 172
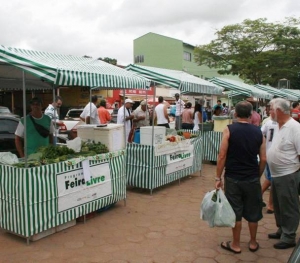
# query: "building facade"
155 50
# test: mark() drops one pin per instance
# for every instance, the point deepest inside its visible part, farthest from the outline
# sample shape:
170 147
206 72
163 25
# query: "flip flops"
253 249
227 247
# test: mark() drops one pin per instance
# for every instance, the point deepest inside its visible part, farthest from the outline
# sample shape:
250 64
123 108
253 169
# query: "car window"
8 126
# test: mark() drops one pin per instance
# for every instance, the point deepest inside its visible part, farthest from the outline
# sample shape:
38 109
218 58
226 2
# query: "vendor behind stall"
90 112
141 115
39 130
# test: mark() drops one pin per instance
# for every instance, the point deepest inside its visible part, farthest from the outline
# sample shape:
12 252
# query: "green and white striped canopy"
276 92
67 70
293 92
186 83
242 88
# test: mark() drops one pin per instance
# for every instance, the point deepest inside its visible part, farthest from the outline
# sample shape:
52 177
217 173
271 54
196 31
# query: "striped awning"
293 92
242 88
186 83
67 70
276 92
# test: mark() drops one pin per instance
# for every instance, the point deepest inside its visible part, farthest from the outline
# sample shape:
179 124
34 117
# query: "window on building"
139 59
187 56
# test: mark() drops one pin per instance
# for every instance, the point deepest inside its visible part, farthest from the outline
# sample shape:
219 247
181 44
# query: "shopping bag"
208 207
224 215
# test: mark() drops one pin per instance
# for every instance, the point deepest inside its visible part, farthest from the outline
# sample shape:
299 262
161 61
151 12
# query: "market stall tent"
241 88
186 83
293 92
33 200
276 92
68 70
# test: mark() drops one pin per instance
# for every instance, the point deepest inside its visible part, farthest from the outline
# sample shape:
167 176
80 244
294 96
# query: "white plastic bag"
224 214
208 207
8 158
74 144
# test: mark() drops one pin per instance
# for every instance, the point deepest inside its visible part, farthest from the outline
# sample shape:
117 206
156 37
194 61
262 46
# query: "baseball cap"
129 101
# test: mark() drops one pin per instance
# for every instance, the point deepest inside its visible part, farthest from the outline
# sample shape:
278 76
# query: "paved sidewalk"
161 228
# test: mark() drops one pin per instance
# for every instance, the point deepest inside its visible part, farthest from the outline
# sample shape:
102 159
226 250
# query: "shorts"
267 173
245 198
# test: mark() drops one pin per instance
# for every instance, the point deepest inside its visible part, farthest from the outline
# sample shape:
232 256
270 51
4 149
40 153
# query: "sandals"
227 247
253 249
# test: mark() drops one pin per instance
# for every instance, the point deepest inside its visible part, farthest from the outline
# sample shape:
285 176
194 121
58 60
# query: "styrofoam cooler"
86 131
146 135
112 136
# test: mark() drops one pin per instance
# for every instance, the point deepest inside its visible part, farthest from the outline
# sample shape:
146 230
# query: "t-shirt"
140 113
53 114
34 139
179 107
104 115
296 114
283 155
90 110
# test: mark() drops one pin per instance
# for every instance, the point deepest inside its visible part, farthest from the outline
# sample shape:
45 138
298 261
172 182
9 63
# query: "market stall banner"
74 190
146 170
67 70
180 160
186 83
28 196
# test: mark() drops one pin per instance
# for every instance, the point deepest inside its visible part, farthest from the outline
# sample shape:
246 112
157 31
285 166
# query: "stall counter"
149 169
33 200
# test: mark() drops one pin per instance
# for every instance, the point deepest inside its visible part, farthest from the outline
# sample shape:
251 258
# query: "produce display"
54 154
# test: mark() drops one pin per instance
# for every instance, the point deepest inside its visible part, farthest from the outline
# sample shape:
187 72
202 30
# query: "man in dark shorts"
242 142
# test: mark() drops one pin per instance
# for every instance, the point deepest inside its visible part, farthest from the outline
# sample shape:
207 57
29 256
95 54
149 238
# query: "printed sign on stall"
74 189
177 161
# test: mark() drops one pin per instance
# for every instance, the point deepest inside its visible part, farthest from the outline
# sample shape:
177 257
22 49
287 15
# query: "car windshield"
4 110
8 126
74 113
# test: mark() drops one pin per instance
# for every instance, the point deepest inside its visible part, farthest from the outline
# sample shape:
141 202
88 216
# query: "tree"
257 51
112 61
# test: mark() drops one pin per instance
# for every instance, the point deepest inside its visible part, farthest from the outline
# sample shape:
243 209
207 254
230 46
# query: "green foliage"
112 61
258 51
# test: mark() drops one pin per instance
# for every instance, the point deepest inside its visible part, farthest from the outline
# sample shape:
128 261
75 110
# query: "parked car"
71 119
6 111
7 133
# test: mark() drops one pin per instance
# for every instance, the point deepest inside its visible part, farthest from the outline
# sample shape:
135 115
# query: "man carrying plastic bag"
241 144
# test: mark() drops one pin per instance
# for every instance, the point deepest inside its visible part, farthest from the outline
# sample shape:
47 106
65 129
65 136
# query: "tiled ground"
161 228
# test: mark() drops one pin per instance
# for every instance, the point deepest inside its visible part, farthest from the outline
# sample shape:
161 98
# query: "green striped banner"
29 198
145 170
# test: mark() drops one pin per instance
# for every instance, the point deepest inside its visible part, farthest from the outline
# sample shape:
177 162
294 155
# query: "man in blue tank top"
242 142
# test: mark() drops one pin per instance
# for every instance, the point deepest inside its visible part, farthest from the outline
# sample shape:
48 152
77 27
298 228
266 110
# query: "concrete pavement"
162 228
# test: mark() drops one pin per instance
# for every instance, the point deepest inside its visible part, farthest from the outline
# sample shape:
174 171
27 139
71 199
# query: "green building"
155 50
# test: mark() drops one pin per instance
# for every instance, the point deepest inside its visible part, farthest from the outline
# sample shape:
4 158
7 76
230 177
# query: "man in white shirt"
125 117
51 111
179 109
90 113
283 160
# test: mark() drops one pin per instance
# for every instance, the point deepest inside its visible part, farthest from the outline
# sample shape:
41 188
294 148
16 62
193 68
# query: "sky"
107 28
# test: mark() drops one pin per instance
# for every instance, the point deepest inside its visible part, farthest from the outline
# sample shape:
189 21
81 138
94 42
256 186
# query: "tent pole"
25 120
55 125
12 102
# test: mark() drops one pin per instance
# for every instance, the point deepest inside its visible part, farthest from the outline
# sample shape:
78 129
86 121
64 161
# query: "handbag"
44 132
